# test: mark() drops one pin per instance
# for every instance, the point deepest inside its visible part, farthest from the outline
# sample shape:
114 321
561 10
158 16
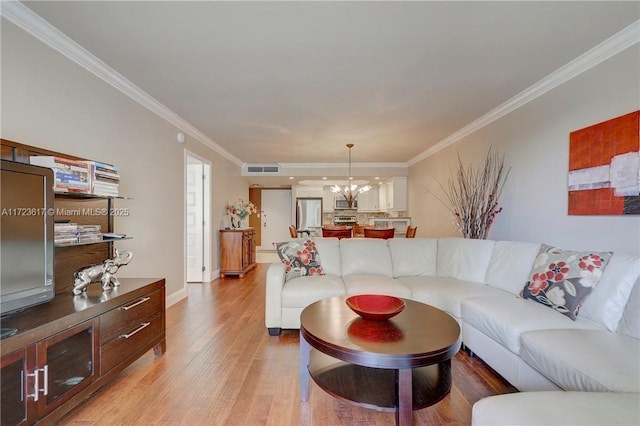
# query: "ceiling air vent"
261 169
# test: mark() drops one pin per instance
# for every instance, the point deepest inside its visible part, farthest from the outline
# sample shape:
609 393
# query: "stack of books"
70 233
105 179
65 233
70 175
89 177
89 233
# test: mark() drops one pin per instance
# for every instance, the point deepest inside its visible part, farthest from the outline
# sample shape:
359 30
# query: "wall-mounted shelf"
74 207
86 243
86 195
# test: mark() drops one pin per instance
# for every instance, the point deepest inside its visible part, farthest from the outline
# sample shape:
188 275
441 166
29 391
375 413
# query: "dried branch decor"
473 195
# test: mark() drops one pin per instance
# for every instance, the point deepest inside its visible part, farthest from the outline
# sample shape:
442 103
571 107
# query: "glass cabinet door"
15 401
13 397
67 363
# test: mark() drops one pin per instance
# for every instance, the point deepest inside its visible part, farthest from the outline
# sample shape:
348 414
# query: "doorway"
275 217
197 217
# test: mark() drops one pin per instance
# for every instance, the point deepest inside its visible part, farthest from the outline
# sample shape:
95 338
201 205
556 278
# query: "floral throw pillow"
299 258
562 279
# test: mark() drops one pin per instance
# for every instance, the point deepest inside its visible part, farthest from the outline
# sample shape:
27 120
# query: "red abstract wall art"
604 167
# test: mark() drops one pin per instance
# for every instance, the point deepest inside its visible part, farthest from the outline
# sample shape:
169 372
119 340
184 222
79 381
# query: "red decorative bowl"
375 307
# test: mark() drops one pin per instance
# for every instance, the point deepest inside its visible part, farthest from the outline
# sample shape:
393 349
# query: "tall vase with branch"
473 194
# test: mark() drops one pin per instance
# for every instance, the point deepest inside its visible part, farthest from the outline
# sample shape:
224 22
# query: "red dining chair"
379 233
334 227
339 233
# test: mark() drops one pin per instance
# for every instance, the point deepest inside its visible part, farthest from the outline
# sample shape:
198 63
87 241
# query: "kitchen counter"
362 218
399 223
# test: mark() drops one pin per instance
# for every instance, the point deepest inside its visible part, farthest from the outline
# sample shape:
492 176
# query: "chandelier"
350 191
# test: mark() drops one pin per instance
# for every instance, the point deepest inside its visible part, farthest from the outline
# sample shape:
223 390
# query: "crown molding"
592 57
339 165
23 17
30 22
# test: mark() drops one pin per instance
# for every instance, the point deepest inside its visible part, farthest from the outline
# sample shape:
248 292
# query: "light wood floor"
222 368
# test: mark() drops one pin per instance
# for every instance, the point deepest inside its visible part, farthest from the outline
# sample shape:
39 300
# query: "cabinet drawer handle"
45 379
144 299
142 327
36 390
36 382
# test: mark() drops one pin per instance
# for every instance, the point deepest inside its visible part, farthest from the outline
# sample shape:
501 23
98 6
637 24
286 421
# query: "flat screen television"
26 236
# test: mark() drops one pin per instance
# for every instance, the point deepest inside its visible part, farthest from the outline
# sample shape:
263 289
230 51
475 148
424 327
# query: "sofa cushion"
413 256
446 293
303 291
300 258
375 284
329 251
557 408
504 318
511 264
629 325
463 258
608 299
365 256
562 279
584 360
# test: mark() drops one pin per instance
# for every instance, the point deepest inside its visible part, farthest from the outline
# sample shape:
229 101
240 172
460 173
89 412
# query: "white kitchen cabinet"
328 200
382 197
303 191
368 201
396 195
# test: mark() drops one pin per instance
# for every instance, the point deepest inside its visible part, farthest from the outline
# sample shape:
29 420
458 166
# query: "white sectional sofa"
478 282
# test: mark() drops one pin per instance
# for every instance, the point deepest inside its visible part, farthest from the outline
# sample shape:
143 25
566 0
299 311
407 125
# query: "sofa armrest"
273 298
557 408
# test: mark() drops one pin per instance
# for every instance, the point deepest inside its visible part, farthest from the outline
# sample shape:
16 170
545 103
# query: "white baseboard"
175 297
214 275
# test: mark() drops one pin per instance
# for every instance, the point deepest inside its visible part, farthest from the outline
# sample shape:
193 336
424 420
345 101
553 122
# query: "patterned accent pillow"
562 279
299 258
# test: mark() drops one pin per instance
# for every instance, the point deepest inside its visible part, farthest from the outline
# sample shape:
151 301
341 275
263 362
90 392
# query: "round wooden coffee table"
401 364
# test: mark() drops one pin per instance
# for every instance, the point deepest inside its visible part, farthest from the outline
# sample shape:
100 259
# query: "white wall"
535 140
50 102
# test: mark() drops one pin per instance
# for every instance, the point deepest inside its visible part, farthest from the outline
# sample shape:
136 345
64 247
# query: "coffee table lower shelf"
377 388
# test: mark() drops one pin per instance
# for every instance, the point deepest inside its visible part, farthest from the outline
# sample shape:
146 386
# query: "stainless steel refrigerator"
309 215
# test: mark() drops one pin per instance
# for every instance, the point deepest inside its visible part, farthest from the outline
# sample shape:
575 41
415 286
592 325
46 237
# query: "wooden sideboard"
237 251
66 349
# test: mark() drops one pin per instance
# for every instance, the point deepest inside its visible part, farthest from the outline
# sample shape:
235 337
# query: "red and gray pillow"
562 279
300 258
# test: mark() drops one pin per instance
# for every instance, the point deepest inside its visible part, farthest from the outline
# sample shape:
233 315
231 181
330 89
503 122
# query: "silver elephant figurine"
104 272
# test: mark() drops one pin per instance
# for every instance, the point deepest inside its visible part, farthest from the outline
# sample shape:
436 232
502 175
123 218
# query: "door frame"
207 274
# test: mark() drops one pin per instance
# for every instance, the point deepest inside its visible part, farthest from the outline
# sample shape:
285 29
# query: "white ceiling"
293 82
